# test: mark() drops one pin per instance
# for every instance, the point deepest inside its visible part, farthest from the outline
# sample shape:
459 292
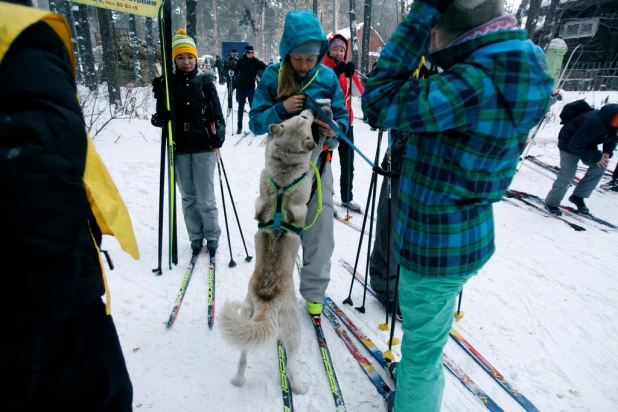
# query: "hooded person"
578 141
199 132
60 346
469 125
337 59
282 93
246 71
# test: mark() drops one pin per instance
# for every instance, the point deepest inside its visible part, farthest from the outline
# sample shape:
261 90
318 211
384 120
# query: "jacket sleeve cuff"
281 110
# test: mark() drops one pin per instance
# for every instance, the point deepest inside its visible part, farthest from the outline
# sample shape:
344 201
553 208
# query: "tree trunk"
533 17
214 23
255 26
353 39
150 49
263 46
192 19
66 9
366 37
551 21
84 42
110 60
137 66
520 11
52 6
334 16
315 7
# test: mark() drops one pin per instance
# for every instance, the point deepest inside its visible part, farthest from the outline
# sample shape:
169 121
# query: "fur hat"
181 43
464 15
338 42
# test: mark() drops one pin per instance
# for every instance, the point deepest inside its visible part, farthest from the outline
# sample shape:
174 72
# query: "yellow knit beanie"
181 43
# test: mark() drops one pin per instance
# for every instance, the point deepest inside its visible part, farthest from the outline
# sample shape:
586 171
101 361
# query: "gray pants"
318 243
381 246
568 168
195 176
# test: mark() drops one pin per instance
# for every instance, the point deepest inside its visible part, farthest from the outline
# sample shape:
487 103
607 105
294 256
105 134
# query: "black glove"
219 137
350 69
158 87
441 5
339 68
161 118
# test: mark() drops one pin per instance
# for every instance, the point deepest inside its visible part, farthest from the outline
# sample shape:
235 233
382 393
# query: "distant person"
578 140
59 348
228 69
219 69
246 72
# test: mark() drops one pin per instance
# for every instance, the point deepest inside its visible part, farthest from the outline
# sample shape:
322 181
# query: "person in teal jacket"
469 125
281 94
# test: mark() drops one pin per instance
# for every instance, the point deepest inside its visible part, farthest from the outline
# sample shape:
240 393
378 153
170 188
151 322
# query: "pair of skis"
448 363
185 284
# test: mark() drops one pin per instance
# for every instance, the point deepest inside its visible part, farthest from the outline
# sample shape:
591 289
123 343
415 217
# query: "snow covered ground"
542 311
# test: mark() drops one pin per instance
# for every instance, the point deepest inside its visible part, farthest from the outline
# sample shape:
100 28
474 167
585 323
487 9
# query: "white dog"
270 310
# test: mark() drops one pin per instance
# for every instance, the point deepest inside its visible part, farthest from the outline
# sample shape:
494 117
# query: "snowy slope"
542 311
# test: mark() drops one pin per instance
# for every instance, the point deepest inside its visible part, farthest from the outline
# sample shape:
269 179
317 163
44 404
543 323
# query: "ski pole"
227 228
459 314
374 181
384 326
392 339
157 271
248 258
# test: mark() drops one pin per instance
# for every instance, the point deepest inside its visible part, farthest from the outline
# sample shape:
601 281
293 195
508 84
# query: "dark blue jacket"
582 135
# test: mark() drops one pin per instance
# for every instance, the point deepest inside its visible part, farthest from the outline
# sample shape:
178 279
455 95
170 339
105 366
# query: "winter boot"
353 206
554 210
196 245
613 185
392 370
239 131
212 246
314 308
581 205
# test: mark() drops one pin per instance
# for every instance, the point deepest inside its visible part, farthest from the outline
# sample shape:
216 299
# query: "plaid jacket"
469 125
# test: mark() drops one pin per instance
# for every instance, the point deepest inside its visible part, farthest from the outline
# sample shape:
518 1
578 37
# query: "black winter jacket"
196 108
581 135
246 72
51 267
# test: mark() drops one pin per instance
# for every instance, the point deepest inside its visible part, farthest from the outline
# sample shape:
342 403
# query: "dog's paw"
299 387
238 381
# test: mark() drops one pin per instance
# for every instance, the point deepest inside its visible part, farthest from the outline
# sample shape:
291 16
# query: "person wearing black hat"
247 69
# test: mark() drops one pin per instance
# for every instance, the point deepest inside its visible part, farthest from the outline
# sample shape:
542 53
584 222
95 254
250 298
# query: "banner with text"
148 8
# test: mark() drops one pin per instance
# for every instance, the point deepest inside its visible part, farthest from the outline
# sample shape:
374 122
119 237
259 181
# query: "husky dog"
270 310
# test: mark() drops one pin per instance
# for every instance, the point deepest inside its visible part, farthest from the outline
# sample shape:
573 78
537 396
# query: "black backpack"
574 109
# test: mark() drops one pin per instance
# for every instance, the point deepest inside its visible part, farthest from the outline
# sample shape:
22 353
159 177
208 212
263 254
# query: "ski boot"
581 205
239 131
353 206
212 246
554 210
314 308
196 245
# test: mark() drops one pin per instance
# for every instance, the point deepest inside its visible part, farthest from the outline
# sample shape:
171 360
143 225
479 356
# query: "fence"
591 77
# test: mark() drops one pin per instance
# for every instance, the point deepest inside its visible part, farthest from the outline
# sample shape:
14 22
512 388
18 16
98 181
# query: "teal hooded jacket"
300 27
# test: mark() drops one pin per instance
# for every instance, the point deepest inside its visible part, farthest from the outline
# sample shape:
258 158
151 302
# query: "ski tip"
384 326
459 315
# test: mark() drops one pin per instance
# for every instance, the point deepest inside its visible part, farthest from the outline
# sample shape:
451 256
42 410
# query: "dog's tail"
248 333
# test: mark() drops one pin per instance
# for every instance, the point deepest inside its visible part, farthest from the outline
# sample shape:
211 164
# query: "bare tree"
315 6
214 21
353 39
366 37
108 40
520 11
551 22
192 18
533 17
150 49
84 42
137 67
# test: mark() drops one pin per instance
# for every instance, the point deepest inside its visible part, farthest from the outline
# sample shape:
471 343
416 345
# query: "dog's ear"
309 144
276 130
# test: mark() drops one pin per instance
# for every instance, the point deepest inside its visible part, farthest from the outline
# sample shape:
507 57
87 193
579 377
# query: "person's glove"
219 137
350 69
339 68
441 5
161 118
158 87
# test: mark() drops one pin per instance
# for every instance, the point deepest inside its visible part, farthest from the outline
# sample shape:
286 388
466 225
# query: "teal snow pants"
427 305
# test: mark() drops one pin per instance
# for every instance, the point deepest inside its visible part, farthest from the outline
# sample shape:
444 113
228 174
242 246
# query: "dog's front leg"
239 378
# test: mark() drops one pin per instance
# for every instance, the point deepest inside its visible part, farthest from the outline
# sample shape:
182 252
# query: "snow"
541 311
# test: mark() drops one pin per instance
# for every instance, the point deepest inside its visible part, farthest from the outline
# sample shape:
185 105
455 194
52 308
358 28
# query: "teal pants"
427 305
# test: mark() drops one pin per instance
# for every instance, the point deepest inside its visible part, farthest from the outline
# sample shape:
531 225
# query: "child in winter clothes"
579 140
199 131
469 125
350 85
281 94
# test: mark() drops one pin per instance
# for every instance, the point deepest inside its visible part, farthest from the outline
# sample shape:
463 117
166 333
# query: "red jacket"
357 87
